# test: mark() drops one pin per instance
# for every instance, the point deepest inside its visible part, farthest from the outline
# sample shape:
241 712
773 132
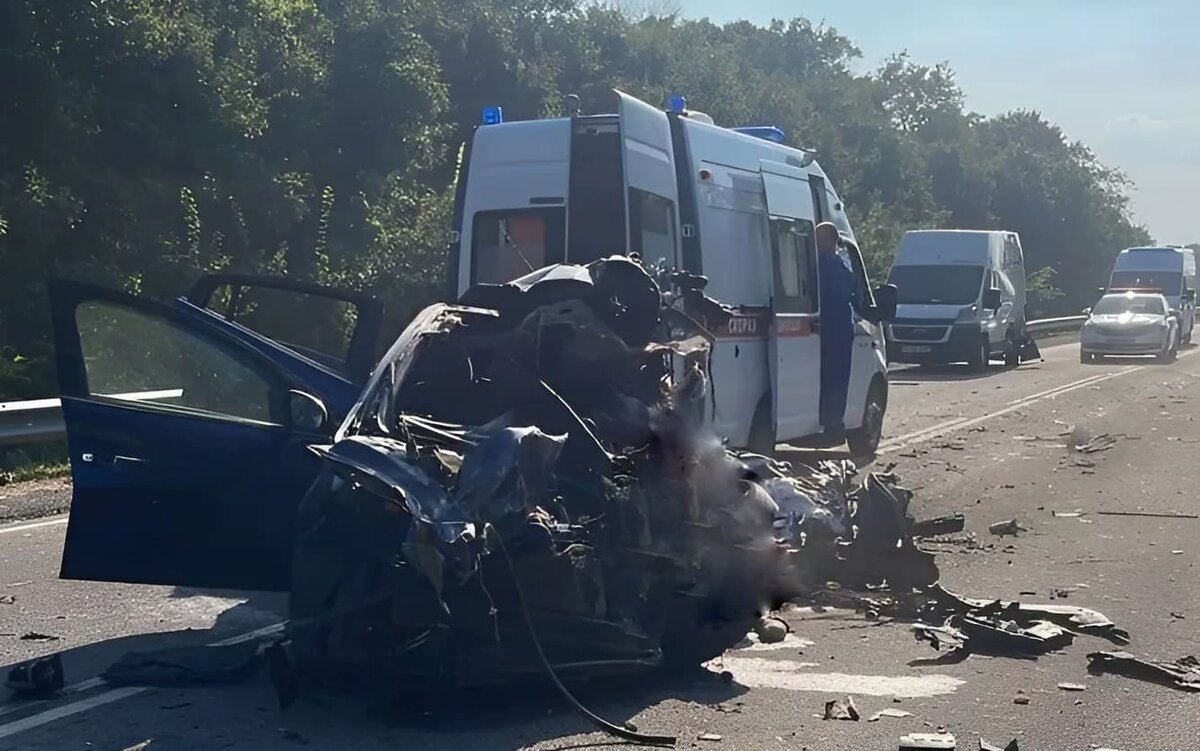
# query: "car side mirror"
308 413
991 299
1086 311
1173 314
885 303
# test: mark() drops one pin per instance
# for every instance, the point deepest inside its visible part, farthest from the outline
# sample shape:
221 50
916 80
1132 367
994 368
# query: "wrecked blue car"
525 482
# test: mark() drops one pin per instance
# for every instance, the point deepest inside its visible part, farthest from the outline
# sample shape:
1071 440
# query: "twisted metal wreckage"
527 484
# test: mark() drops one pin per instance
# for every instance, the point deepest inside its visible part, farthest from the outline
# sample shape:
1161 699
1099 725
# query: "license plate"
916 350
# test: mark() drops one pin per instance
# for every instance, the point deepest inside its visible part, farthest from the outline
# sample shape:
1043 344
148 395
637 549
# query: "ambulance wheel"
762 429
980 357
864 441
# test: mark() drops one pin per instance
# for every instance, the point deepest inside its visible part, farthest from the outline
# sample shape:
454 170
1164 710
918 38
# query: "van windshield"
936 285
1169 282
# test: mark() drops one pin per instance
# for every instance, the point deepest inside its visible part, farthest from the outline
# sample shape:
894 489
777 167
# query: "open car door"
795 351
189 449
651 185
327 338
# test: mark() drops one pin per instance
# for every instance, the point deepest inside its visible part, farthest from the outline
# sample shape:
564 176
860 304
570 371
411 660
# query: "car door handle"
115 460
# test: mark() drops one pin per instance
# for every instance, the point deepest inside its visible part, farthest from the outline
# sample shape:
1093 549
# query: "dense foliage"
142 140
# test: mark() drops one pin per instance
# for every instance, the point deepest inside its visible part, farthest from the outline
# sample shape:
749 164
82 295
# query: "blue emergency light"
493 115
766 132
676 103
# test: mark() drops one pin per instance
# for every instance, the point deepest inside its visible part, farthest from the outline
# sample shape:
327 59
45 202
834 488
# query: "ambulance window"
795 266
506 245
652 227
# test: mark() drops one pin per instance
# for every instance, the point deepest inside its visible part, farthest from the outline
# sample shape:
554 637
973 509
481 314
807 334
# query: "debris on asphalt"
180 666
40 678
1012 746
943 525
1068 514
923 741
1071 617
294 736
1010 527
8 599
1092 445
1182 674
990 635
771 630
1150 514
709 737
35 636
841 709
898 713
1072 687
1021 698
140 746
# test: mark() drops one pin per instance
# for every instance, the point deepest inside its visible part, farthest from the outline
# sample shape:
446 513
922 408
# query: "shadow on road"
512 715
943 373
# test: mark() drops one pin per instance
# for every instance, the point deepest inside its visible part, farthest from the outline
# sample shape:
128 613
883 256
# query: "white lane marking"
760 672
54 522
116 694
58 713
937 431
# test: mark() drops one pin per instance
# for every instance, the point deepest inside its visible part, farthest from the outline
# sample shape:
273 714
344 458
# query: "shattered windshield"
936 285
1136 304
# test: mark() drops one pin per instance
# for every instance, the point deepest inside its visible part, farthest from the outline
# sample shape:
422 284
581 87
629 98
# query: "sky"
1122 76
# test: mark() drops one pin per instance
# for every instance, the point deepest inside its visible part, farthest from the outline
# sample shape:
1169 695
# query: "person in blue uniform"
837 330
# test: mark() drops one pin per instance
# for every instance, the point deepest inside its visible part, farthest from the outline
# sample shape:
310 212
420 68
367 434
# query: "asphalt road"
991 446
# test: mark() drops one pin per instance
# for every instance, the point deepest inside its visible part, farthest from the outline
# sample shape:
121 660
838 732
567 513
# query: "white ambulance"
734 205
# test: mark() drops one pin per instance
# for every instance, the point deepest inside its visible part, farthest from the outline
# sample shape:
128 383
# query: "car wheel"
1164 354
1086 356
979 359
1012 358
762 430
864 441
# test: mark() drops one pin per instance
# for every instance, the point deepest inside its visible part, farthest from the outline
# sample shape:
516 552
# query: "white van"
961 298
1169 271
734 205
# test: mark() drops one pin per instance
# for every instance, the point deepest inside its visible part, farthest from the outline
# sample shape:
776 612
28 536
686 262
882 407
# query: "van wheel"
762 430
1012 358
980 358
864 441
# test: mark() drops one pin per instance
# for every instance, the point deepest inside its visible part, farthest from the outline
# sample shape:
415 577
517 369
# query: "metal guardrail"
41 420
1055 325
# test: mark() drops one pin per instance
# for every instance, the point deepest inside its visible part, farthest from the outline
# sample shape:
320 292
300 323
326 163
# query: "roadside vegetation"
143 141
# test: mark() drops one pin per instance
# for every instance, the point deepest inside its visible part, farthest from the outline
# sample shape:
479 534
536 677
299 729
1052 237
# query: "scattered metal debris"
1010 527
1072 687
943 525
1182 674
1151 514
1021 698
841 709
899 713
922 741
709 737
985 746
40 678
179 666
35 636
8 599
1092 445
